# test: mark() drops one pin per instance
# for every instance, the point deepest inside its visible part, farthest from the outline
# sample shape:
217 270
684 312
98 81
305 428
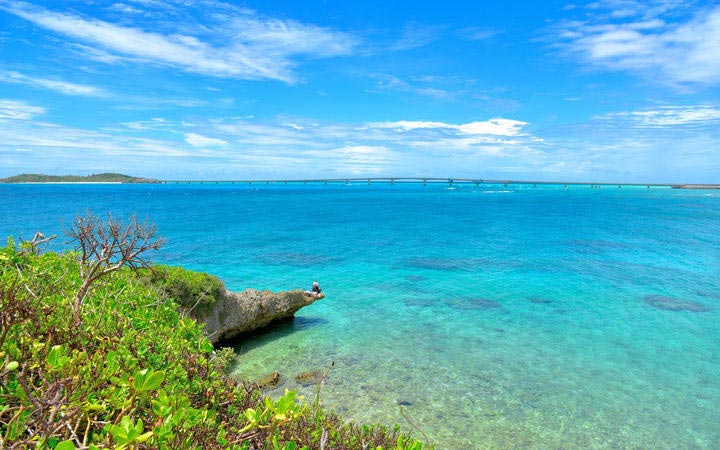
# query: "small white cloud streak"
62 87
241 46
14 110
673 53
670 116
198 140
415 36
496 127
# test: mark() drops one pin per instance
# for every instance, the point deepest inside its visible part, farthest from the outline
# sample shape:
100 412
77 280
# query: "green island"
97 351
96 178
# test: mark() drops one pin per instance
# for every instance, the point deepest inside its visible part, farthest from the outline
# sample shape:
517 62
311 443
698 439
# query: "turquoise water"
500 317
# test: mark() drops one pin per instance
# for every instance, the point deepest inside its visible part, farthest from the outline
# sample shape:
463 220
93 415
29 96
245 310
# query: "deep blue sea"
498 317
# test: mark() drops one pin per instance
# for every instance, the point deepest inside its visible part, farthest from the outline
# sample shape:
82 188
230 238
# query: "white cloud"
638 38
496 127
198 140
242 45
662 144
477 34
14 110
415 36
127 9
63 87
156 123
670 116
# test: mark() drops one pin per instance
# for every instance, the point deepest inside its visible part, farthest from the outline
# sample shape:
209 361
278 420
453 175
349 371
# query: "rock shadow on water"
297 259
275 330
674 304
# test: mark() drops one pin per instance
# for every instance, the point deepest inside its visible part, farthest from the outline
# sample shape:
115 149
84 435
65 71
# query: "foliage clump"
189 289
135 373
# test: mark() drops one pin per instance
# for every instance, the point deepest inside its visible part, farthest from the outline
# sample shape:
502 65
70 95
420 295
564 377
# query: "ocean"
490 316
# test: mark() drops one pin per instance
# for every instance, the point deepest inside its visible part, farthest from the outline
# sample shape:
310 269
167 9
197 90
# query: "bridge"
449 181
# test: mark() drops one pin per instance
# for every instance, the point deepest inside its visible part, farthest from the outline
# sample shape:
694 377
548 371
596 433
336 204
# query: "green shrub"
137 374
189 289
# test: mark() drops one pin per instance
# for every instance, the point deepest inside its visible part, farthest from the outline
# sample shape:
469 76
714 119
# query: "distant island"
96 178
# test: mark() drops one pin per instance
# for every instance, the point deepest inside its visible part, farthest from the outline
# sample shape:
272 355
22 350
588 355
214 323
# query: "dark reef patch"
674 304
297 259
473 303
540 300
415 278
421 302
465 264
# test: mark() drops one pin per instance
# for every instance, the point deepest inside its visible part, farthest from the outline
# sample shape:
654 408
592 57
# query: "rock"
270 381
308 378
235 313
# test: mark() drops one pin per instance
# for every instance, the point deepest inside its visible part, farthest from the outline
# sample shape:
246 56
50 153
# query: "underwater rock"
235 313
674 304
271 380
308 378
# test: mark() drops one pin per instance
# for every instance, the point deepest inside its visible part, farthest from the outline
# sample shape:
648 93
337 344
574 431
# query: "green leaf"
65 445
12 365
148 380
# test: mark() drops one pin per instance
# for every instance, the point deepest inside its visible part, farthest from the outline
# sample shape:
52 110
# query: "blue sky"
618 90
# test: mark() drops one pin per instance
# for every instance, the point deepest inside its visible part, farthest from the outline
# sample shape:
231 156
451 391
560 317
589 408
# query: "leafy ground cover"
125 368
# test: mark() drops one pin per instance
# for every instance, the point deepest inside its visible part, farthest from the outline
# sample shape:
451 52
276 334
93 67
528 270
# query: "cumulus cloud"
62 87
240 44
14 110
648 39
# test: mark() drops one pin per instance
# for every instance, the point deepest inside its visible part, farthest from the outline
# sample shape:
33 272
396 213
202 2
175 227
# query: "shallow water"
499 317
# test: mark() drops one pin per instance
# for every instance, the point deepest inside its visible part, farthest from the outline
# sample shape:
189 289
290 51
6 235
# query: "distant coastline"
117 178
100 178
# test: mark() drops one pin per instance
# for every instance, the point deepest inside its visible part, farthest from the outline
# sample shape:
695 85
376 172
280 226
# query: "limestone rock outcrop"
235 313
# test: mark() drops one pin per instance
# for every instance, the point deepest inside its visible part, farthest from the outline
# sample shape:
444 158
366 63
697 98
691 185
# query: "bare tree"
105 246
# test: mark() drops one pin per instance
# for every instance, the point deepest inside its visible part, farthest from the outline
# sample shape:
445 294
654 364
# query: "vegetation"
133 372
96 178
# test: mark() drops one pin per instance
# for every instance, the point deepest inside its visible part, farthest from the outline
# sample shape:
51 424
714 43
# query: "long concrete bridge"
449 181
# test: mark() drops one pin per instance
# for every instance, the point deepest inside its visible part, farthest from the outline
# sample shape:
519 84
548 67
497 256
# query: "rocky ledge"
235 313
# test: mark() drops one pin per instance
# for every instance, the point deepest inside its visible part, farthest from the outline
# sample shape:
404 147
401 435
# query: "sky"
616 90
